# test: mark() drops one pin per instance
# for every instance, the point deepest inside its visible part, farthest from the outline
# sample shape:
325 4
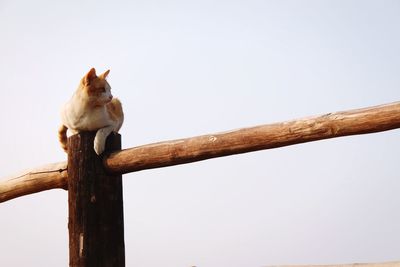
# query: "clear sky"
185 68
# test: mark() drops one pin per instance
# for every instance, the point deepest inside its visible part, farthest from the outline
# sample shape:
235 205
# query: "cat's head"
96 88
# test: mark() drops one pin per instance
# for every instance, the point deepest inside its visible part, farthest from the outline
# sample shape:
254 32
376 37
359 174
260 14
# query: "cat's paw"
99 145
100 139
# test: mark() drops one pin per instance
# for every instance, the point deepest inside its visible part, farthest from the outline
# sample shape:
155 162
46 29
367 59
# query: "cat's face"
97 88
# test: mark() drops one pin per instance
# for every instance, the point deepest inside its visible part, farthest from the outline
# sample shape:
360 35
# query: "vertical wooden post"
96 221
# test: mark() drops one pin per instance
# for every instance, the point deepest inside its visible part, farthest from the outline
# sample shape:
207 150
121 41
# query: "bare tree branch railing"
46 177
359 121
169 153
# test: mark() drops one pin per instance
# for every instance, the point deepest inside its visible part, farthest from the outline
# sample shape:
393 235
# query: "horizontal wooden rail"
47 177
168 153
359 121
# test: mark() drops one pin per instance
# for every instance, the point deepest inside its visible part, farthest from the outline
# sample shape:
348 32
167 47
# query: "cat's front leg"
100 139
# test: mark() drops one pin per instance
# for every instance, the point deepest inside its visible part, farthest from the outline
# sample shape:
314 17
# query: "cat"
91 108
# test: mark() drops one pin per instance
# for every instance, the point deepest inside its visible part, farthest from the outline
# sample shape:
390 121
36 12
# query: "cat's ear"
105 74
89 77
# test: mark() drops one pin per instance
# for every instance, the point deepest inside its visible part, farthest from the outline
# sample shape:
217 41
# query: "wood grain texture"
46 177
331 125
169 153
95 203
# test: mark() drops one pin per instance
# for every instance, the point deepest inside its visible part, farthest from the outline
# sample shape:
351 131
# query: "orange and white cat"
91 108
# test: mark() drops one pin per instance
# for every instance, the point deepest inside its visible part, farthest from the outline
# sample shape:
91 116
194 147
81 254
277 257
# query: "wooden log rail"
50 176
169 153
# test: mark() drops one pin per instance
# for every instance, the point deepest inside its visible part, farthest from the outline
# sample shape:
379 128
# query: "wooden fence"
94 184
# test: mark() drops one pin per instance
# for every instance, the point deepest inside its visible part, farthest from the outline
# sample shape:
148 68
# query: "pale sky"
186 68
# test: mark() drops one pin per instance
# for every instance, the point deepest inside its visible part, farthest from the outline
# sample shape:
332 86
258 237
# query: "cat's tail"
62 137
